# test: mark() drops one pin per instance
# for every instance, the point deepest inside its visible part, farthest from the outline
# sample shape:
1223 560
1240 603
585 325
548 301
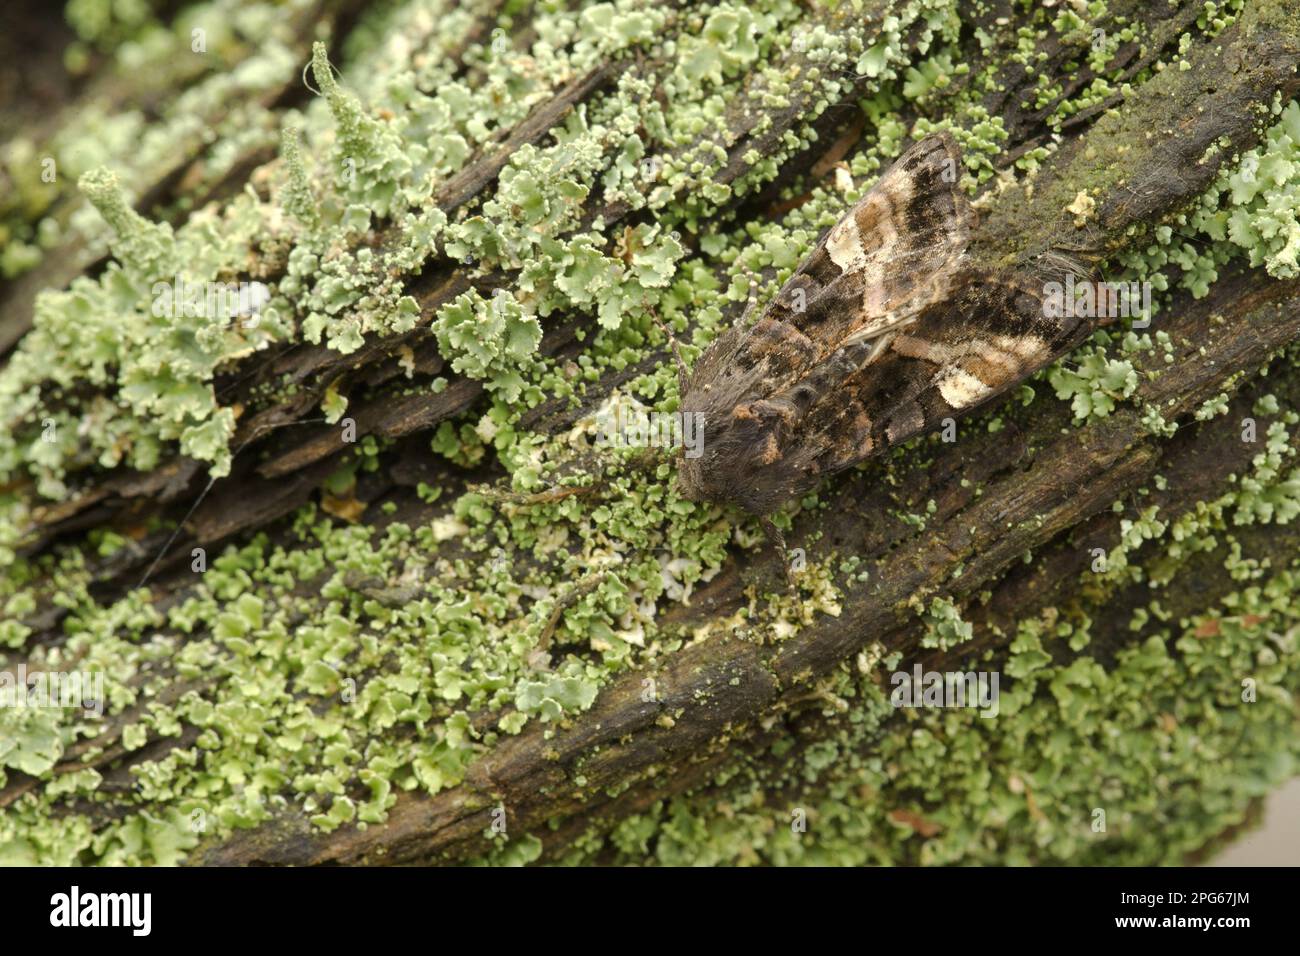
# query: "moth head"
740 461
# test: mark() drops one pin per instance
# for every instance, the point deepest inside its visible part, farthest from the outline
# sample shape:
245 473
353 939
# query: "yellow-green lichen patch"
1141 762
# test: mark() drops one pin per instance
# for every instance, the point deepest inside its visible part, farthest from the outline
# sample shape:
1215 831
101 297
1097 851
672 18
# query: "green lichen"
1167 744
1094 384
944 628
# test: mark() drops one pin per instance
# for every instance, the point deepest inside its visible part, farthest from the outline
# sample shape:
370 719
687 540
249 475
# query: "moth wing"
892 254
853 353
991 334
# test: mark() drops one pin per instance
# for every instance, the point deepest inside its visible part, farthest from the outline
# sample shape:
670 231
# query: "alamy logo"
103 909
1093 300
41 689
214 300
625 423
946 689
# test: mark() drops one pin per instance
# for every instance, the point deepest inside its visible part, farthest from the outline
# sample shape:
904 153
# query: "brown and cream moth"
883 331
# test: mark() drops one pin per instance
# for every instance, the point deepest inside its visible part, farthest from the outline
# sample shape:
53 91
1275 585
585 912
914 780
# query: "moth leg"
752 284
646 460
683 376
775 535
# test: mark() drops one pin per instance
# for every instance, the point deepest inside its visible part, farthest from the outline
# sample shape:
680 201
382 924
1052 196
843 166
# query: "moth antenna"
683 376
552 494
651 458
569 598
647 460
204 493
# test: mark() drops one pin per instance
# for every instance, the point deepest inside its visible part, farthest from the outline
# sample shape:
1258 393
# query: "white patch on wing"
844 246
961 389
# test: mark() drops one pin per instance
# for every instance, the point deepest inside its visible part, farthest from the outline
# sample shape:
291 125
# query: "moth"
885 330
